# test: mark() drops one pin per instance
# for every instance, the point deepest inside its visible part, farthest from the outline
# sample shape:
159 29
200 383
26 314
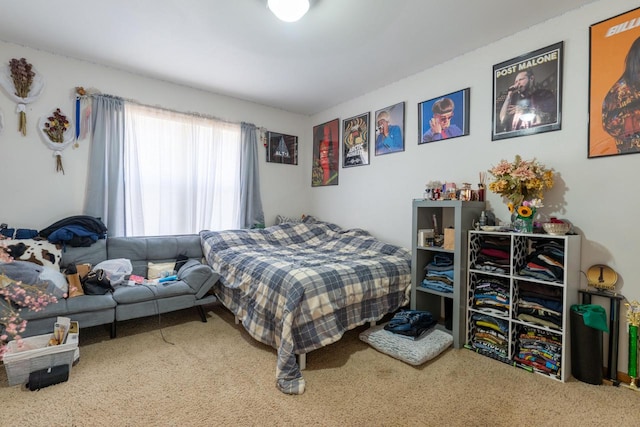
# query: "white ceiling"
340 50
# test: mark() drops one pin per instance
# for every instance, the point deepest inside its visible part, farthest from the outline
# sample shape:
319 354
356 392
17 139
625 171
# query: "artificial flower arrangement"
14 296
523 183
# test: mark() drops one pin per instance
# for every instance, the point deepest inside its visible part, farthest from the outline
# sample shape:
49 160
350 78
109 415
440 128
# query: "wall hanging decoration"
326 153
444 117
527 93
390 129
355 141
83 99
602 277
23 85
282 148
614 86
80 92
57 133
263 136
522 183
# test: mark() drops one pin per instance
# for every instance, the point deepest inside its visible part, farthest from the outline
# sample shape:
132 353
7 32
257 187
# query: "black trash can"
448 314
586 349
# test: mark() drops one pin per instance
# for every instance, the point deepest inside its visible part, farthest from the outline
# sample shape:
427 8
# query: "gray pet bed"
415 352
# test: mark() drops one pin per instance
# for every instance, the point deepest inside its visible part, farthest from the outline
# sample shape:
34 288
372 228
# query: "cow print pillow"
40 252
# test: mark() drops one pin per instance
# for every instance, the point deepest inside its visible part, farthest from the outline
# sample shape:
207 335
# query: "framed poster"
390 129
527 93
355 141
614 86
282 148
326 153
445 117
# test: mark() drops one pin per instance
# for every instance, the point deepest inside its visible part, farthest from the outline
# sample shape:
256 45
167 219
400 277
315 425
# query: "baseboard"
623 379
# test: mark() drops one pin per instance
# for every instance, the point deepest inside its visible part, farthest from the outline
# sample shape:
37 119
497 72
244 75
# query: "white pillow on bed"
414 352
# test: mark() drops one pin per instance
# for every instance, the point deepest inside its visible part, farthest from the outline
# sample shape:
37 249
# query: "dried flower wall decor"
22 75
23 85
57 134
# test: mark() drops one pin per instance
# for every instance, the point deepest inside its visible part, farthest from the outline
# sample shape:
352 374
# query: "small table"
614 326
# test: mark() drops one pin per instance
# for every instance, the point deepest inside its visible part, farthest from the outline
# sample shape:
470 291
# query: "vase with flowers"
522 183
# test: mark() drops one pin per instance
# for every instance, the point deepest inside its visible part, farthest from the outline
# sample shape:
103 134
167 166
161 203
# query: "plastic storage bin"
34 355
586 350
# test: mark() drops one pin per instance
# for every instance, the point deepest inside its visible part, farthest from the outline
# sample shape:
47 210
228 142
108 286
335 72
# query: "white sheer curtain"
182 172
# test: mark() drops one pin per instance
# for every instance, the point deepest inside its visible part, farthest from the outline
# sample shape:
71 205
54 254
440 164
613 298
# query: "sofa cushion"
93 254
50 310
87 303
139 293
141 250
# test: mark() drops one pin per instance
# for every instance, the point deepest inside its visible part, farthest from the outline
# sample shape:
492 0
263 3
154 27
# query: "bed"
300 286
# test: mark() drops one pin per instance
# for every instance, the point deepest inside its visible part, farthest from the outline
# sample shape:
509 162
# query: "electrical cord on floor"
155 294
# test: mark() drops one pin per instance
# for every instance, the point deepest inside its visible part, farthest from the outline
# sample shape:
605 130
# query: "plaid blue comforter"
299 287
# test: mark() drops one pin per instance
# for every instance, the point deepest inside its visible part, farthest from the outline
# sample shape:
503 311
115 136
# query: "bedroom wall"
596 195
35 195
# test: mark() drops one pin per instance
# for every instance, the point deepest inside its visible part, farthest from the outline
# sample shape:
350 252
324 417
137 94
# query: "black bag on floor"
49 376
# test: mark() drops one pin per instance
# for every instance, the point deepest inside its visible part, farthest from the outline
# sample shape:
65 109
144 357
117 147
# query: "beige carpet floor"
179 371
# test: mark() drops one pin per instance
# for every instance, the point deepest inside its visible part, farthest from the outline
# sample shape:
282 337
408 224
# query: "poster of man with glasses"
445 117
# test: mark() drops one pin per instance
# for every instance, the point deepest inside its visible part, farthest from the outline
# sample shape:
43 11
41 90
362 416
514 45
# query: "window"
181 172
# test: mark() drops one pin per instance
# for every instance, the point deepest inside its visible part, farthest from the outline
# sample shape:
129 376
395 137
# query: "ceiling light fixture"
288 10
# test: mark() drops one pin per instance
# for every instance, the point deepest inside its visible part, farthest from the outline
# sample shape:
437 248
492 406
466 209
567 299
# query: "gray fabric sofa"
195 279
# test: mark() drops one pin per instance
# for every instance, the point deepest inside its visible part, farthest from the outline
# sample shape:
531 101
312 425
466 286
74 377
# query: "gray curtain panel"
251 214
105 182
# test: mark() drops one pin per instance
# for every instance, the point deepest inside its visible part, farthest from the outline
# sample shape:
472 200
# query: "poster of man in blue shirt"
389 129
